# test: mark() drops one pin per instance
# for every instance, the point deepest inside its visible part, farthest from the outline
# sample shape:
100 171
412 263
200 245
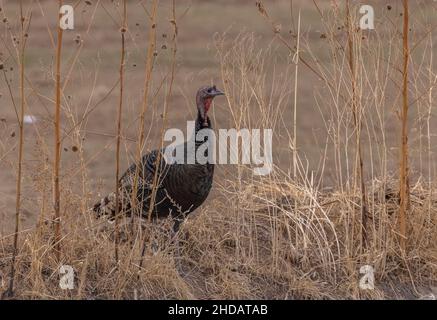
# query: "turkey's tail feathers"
107 207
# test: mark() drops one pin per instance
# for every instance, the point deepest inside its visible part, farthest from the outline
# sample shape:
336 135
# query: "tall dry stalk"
428 118
57 126
120 109
404 192
296 72
164 124
357 114
10 290
164 113
147 82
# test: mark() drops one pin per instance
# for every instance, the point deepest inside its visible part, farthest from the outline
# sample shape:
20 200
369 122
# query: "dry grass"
20 119
264 250
282 236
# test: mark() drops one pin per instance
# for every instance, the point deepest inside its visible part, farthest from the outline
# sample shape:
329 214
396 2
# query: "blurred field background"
212 37
96 73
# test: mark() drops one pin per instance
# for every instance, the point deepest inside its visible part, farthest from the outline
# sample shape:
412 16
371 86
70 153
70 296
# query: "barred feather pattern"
181 188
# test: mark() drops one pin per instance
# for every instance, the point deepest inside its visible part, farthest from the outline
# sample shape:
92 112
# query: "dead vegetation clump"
268 250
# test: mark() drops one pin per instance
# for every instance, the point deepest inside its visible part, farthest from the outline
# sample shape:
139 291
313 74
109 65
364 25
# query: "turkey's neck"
201 124
203 105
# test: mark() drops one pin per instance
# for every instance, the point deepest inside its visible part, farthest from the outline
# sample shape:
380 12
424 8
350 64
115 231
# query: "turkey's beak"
217 92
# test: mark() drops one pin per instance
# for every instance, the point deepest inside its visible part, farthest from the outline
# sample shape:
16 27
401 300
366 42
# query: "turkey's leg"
175 240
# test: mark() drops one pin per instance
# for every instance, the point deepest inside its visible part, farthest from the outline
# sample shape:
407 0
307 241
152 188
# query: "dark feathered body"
181 188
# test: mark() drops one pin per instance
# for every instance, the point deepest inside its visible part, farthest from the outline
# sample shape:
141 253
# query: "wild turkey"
181 188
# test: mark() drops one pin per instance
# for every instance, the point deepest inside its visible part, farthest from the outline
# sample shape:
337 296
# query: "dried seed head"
261 8
277 28
78 39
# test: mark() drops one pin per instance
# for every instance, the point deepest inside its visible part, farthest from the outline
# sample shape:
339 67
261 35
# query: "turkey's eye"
209 90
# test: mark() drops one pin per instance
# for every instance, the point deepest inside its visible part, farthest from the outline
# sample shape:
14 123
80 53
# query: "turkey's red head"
204 99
